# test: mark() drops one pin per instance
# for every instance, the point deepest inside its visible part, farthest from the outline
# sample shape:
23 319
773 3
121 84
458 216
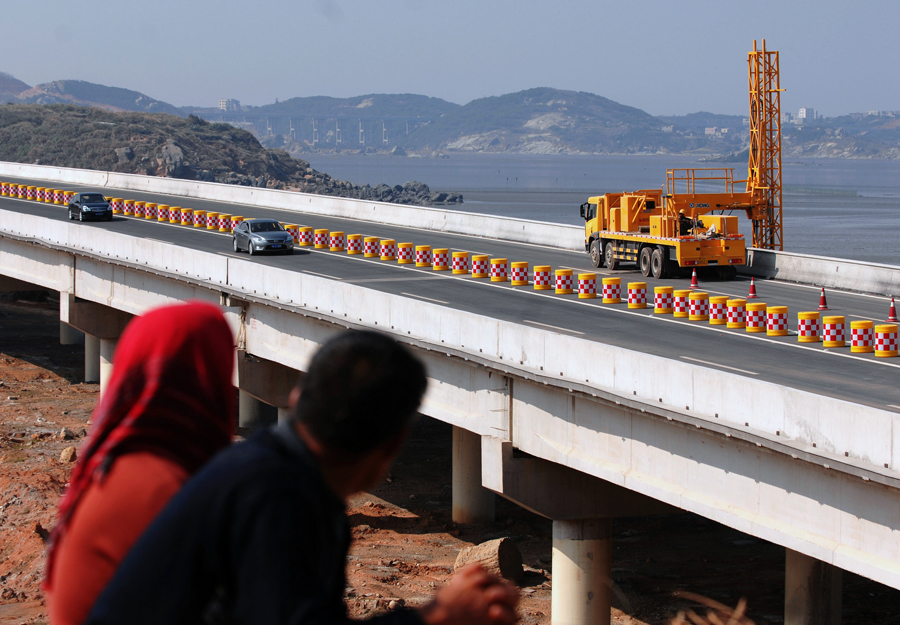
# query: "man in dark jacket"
260 534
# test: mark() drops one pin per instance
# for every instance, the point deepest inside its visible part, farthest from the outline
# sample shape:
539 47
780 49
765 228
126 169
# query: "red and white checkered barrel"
460 262
680 303
67 197
777 321
175 215
199 219
162 212
440 259
354 244
4 189
499 270
663 300
808 327
565 283
234 222
698 306
321 239
306 236
587 286
862 337
519 274
388 249
406 254
371 247
58 196
22 192
480 266
30 193
187 216
336 241
139 208
637 294
294 231
40 194
423 256
756 317
612 290
886 340
542 281
833 331
117 205
128 208
151 212
224 223
718 310
737 313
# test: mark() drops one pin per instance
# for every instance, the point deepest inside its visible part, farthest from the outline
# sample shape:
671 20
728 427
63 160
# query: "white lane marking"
893 406
323 275
410 279
438 301
819 288
547 325
229 254
700 288
715 364
605 273
867 318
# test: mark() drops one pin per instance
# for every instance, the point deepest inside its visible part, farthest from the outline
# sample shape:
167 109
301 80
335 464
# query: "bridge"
577 410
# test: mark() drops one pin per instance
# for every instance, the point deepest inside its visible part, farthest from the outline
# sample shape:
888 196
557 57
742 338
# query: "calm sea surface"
840 208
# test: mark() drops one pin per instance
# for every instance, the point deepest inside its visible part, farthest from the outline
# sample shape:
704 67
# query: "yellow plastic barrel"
698 306
162 212
423 256
663 300
321 238
175 215
224 222
542 279
680 304
499 270
587 286
336 241
305 235
737 314
30 193
808 330
833 332
862 337
388 249
58 196
480 266
460 262
354 244
440 259
406 254
886 340
637 295
128 208
777 321
150 210
718 310
519 275
612 290
40 194
564 285
756 317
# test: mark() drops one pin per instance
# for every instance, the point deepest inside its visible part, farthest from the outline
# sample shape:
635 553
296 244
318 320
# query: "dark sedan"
262 235
86 206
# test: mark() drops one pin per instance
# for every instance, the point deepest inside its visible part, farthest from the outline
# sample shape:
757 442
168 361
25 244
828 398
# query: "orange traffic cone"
892 317
752 294
823 305
694 284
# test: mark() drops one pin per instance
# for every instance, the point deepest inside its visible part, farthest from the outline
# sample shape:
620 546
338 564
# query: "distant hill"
375 105
10 87
552 121
90 94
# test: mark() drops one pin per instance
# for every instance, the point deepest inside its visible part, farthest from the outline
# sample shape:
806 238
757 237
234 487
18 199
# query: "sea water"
832 207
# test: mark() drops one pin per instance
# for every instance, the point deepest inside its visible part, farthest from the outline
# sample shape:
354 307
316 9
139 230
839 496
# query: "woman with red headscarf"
169 408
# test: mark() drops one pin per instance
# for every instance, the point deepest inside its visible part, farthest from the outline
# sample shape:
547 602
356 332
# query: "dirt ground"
405 542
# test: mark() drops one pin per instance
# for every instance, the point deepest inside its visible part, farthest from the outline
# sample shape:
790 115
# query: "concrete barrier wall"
835 273
863 433
458 222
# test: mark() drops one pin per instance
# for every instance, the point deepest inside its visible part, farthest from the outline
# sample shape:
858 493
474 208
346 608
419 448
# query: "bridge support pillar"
91 359
107 349
582 566
472 503
812 591
253 413
69 335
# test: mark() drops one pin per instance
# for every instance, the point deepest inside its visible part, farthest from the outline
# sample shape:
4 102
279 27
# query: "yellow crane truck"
675 227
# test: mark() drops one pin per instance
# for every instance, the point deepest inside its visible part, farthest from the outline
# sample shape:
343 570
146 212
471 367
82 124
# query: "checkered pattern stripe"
405 253
388 251
22 192
199 219
612 291
67 197
680 303
441 260
499 270
187 217
587 286
128 207
150 211
321 238
520 274
637 296
736 314
756 318
234 223
116 205
355 244
862 337
833 332
564 282
305 236
40 194
542 278
371 247
337 240
776 321
57 196
30 193
663 301
461 263
423 257
718 312
886 342
808 327
479 267
162 213
4 188
224 222
698 307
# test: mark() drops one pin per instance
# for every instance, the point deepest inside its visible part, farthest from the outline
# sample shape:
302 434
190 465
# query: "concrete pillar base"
812 591
582 566
107 349
69 335
91 359
253 413
472 502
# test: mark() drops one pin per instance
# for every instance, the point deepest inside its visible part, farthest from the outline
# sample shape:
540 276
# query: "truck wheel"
658 267
610 256
644 260
596 253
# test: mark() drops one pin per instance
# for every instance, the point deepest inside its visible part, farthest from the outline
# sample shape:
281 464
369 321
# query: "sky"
665 57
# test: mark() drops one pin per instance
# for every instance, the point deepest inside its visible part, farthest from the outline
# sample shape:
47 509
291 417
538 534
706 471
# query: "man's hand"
473 597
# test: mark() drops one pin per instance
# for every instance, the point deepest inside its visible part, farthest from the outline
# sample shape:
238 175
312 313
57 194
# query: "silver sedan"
262 235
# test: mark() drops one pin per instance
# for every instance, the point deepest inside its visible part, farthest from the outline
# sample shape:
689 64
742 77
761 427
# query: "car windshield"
92 197
266 226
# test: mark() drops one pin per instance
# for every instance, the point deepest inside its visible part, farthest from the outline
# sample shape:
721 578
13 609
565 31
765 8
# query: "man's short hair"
362 389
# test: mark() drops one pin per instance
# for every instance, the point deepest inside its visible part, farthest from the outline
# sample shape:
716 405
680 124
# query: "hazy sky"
666 57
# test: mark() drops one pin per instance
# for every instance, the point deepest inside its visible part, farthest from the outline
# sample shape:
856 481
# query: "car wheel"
71 216
644 259
610 256
658 264
235 245
109 218
250 249
596 253
80 216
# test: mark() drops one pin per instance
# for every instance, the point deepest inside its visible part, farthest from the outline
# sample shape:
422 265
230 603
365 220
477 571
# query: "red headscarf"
170 394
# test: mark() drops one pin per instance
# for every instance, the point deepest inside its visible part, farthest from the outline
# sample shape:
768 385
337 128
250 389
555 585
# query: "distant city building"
807 114
711 130
786 118
668 128
229 104
724 131
746 121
